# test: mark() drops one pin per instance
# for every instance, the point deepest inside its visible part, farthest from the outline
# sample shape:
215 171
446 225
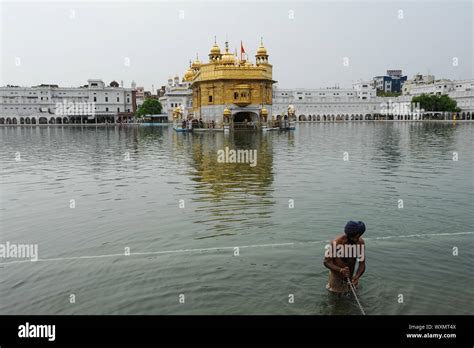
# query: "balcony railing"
242 101
244 125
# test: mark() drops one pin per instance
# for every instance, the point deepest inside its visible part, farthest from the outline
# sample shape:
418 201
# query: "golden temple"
231 91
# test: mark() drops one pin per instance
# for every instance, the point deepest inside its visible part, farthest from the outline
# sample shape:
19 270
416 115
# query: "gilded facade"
230 90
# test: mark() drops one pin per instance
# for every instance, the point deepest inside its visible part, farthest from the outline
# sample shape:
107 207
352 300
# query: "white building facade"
462 91
51 104
177 94
328 104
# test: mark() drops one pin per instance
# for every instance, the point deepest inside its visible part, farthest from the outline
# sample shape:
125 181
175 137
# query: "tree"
431 102
149 107
381 93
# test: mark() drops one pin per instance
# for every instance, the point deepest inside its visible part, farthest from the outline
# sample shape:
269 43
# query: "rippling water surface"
135 204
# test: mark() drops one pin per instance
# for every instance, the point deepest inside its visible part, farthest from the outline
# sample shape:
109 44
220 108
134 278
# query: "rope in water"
355 295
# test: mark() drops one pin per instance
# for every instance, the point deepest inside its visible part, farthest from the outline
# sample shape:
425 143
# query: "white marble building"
90 103
326 104
462 91
465 101
177 94
415 81
365 90
361 102
436 87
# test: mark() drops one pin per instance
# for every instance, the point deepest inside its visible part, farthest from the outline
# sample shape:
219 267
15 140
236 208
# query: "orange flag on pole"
242 50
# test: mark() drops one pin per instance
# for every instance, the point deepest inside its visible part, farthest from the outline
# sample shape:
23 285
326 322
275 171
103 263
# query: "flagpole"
240 50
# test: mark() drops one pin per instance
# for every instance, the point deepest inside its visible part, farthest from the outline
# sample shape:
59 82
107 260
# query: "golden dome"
215 49
227 112
228 58
188 75
215 53
261 51
196 64
264 111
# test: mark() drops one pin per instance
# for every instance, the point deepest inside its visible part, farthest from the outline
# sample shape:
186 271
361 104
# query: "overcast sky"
68 42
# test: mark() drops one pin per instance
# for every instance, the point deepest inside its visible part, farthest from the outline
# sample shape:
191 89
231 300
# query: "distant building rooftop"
47 85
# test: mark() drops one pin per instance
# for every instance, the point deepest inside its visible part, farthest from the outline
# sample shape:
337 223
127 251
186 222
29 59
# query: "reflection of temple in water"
226 193
222 175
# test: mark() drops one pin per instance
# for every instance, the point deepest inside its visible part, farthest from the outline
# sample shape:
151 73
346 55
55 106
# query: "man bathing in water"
342 263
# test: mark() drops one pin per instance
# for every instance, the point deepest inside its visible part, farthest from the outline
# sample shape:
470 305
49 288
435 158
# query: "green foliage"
381 93
149 107
431 102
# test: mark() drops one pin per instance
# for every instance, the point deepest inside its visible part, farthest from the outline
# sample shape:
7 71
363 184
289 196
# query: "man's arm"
360 271
361 266
329 263
343 272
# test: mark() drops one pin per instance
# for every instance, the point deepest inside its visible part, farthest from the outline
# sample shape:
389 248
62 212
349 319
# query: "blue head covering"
352 228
